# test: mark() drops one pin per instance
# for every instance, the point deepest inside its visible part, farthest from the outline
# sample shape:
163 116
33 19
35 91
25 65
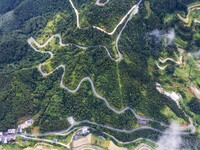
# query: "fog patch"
171 139
170 36
156 34
159 35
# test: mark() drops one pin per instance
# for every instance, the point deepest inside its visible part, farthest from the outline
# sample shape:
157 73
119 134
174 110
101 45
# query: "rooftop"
71 120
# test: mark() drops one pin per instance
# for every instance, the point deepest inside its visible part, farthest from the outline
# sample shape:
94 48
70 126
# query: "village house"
11 139
25 139
85 130
4 140
55 141
11 131
26 124
19 130
71 120
142 122
174 96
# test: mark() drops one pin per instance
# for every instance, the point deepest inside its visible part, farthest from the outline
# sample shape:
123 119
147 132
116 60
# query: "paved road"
77 14
132 10
31 41
110 128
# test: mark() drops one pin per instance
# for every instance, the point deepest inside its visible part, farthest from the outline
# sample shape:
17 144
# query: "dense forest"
24 92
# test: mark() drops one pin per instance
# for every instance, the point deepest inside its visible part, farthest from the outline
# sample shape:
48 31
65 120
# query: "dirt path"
178 62
190 9
161 68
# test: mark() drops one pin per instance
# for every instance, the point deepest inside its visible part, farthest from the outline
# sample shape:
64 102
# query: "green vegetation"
194 105
187 27
181 77
19 145
92 15
23 90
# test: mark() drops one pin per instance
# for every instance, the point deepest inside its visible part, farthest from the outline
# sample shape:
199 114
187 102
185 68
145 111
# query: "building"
26 124
11 139
55 141
85 130
71 120
142 122
4 140
174 96
30 121
135 11
75 137
1 133
25 139
19 130
11 131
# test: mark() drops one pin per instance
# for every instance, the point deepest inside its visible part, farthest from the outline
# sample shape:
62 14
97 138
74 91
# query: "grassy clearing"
105 17
180 42
148 9
180 80
98 141
166 111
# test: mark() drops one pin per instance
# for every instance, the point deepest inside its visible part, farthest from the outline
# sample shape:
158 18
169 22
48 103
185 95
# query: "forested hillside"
25 92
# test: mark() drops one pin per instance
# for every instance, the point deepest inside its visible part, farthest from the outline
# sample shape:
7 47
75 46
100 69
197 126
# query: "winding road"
179 62
68 130
131 12
33 43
